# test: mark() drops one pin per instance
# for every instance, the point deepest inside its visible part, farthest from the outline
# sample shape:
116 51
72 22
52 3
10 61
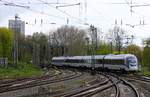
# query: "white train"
126 62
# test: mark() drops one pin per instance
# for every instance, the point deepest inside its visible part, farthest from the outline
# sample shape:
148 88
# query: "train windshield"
132 61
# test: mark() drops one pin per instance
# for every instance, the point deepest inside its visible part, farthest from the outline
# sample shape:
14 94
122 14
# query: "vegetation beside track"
21 70
145 71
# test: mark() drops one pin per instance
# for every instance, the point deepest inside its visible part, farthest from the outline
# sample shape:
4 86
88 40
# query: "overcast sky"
101 13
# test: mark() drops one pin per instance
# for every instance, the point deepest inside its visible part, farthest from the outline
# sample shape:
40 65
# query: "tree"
104 48
146 53
147 42
70 39
40 49
136 50
117 34
6 43
25 51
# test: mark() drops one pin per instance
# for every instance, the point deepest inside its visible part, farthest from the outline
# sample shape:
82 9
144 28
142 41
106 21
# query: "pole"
87 46
93 48
111 47
15 42
95 32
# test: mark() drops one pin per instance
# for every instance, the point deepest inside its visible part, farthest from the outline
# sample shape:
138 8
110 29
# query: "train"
120 62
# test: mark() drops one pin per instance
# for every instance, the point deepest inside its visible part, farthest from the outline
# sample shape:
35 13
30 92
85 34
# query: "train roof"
110 56
119 56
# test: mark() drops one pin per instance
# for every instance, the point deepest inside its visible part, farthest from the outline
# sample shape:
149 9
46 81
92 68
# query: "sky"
100 13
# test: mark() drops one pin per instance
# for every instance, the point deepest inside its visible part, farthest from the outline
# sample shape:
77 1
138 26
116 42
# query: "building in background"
17 26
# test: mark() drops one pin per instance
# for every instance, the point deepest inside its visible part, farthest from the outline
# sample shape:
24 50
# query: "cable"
13 4
36 11
60 10
33 10
67 5
28 8
127 3
140 5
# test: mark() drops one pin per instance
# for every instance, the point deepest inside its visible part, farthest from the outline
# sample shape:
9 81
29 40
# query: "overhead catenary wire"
13 4
6 3
68 5
60 17
44 2
30 9
140 5
127 3
130 5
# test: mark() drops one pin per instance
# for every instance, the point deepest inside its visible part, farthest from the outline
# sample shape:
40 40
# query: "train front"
132 63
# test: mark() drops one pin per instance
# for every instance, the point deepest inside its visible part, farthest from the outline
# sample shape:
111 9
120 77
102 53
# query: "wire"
68 5
127 3
140 5
36 11
52 3
28 8
10 4
61 11
13 4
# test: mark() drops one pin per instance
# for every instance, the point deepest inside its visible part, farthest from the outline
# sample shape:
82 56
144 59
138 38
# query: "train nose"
133 67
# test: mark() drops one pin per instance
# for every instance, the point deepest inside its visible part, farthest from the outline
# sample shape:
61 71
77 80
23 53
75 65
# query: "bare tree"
70 39
117 35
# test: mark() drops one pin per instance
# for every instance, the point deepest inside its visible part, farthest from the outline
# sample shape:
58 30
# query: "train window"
98 61
114 61
118 61
107 61
88 61
82 61
75 61
70 61
58 61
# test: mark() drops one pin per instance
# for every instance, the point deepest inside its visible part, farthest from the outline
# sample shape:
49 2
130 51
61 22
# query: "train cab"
132 63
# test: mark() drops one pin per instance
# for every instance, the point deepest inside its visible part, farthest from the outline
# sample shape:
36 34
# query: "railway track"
131 91
17 80
27 83
113 81
93 89
27 79
138 77
142 83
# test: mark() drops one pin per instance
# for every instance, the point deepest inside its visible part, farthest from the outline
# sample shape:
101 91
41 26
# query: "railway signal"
94 46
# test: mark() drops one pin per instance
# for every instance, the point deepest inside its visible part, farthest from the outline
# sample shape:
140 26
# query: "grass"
22 70
145 71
